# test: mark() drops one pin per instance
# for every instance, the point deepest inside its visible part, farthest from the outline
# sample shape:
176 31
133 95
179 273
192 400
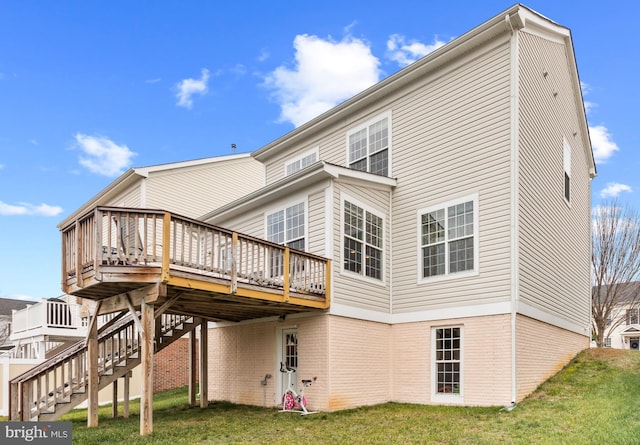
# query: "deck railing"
111 236
47 317
55 381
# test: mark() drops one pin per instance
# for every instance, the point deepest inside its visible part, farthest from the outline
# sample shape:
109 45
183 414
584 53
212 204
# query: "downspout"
514 138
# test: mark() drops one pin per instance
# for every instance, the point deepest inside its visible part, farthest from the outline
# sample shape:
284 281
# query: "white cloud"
603 146
156 80
103 156
188 87
24 208
325 73
1 166
613 189
406 52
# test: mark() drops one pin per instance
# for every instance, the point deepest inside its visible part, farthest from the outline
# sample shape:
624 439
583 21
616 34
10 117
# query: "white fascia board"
295 182
144 171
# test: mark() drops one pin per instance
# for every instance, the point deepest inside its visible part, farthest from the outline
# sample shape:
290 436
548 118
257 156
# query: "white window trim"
476 243
283 206
367 208
566 163
288 162
446 397
387 115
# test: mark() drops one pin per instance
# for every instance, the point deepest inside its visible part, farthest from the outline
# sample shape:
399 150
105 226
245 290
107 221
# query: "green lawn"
594 400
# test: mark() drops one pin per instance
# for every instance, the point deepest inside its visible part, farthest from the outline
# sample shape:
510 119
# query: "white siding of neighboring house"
194 191
451 140
554 238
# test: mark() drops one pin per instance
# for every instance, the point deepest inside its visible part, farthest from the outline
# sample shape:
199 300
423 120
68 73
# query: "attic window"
299 162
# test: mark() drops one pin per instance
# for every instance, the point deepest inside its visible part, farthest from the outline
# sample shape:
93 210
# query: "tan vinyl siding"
451 138
554 237
316 223
130 197
253 221
349 288
194 191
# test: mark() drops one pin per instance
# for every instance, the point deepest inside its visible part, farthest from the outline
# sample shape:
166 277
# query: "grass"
595 399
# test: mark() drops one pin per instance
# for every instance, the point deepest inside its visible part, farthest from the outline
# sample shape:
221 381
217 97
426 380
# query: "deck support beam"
204 369
92 370
193 369
114 405
146 393
125 396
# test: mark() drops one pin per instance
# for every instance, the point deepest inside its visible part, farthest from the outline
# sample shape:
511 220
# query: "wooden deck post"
125 401
92 370
114 405
193 370
204 358
146 394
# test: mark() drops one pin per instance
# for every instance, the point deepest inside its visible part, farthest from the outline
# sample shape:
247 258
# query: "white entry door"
289 356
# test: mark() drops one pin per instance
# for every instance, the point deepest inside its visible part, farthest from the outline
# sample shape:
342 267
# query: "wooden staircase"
56 386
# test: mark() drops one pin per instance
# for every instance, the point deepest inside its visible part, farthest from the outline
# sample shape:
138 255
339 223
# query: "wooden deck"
115 255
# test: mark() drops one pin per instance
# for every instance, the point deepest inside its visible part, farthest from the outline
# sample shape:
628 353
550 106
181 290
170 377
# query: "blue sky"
89 89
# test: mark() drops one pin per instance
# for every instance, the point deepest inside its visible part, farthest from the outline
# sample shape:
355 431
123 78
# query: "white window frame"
448 275
283 208
566 177
314 151
366 208
443 396
365 125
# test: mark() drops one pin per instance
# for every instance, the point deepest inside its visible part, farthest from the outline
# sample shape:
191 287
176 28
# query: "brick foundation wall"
171 366
542 351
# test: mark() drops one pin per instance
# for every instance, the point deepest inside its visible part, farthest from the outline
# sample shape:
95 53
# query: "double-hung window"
369 146
633 316
448 238
300 162
286 226
447 350
363 241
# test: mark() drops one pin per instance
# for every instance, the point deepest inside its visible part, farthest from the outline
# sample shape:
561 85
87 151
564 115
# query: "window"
633 316
567 170
448 360
287 226
368 146
448 240
362 241
300 162
607 342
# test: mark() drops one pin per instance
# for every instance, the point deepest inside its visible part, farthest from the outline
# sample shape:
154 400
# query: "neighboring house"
7 306
189 188
454 200
623 327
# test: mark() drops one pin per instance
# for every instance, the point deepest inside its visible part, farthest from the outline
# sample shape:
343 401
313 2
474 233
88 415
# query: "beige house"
427 241
454 200
623 326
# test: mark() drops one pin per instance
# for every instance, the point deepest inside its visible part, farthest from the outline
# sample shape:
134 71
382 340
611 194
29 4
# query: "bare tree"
615 261
4 329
